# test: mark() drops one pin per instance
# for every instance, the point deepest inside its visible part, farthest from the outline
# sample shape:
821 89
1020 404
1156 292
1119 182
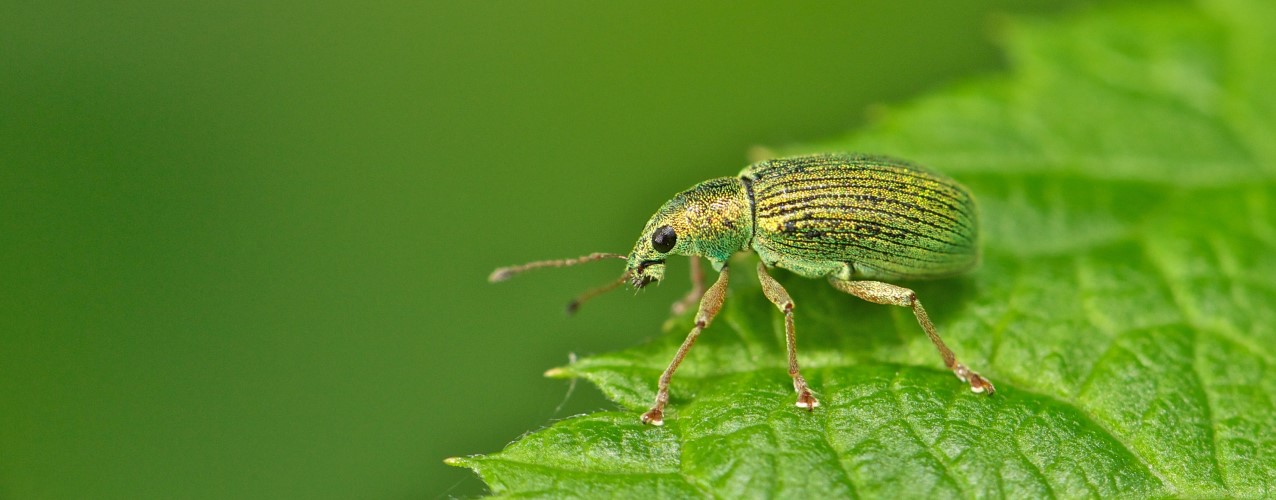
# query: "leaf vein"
912 430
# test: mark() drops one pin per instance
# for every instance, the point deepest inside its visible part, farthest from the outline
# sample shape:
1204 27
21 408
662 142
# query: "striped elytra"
886 218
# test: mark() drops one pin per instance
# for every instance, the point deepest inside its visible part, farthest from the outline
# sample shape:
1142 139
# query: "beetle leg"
780 297
710 304
697 289
886 293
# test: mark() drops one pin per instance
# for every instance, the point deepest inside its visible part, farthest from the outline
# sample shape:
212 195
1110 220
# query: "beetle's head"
667 233
712 219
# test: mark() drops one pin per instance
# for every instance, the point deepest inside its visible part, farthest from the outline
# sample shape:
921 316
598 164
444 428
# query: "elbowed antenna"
504 273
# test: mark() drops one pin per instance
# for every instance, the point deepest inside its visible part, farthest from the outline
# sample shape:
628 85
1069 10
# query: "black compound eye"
663 239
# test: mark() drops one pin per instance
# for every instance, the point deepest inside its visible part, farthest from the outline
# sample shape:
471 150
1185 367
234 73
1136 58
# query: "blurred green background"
243 245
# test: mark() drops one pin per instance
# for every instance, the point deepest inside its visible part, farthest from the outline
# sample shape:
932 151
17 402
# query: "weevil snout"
647 272
647 260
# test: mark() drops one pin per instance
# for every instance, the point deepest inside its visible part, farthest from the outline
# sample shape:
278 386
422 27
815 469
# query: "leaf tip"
456 462
558 372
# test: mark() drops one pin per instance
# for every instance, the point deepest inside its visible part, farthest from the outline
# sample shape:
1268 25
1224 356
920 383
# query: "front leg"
780 297
710 304
886 293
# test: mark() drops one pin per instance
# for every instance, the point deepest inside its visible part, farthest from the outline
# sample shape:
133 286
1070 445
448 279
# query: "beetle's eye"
663 239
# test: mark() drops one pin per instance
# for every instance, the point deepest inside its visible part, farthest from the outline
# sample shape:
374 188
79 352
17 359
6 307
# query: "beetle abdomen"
888 218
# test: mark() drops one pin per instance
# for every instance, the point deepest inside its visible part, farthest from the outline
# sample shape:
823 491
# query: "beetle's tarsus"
978 384
806 400
655 417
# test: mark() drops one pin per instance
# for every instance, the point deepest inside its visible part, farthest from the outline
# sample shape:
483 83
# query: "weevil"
858 221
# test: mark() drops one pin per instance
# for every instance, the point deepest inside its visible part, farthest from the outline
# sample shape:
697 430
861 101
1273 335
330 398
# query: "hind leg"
878 292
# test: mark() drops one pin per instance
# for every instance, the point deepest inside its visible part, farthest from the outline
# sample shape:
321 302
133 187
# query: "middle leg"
780 297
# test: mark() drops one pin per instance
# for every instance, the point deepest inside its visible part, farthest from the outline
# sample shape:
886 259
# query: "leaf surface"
1126 172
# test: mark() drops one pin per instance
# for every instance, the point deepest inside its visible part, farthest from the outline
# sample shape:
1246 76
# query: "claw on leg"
654 417
978 383
806 400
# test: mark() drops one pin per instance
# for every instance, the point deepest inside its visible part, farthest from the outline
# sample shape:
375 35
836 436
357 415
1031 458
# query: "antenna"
589 294
504 273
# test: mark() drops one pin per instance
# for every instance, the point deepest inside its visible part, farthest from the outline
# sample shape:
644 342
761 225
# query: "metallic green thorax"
834 215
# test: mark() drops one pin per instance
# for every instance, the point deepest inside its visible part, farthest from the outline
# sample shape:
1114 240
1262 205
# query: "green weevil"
852 219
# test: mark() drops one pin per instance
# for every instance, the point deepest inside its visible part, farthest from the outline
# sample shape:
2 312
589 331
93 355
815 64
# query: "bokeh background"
243 245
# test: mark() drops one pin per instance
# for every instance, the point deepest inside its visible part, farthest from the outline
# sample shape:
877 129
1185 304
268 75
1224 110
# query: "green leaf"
1125 308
